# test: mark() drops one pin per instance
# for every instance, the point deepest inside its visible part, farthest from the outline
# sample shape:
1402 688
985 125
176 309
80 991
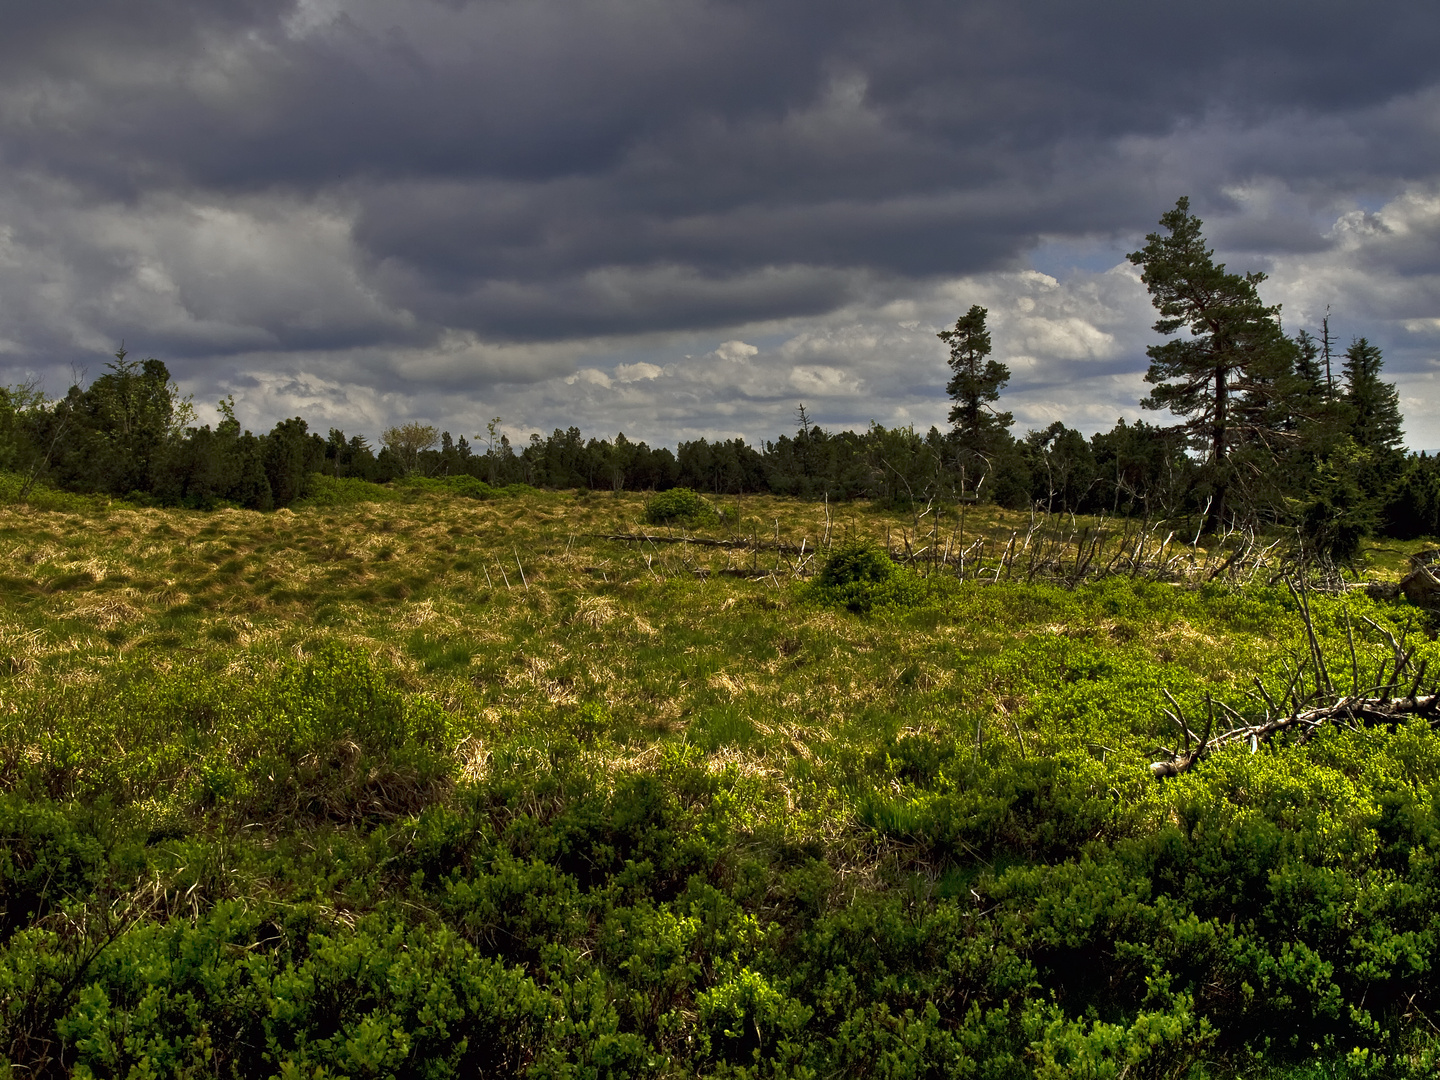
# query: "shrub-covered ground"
449 785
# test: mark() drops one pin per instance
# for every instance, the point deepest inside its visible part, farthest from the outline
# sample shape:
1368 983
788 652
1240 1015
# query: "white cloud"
591 377
202 274
1380 279
629 373
825 381
735 351
272 293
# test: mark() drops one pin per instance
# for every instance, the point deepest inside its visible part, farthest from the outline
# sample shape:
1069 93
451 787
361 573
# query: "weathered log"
1382 590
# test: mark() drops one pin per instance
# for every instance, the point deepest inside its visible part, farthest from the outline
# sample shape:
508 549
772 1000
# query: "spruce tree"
1358 464
976 384
1376 423
1308 363
979 433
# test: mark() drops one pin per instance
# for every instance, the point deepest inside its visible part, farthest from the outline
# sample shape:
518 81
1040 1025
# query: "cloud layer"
683 218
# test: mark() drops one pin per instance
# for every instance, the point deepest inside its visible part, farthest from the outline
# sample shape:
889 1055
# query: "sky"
677 218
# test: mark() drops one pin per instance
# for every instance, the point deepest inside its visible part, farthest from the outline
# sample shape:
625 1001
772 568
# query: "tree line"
131 434
1274 431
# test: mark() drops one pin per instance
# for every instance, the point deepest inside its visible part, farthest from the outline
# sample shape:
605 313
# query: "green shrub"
332 491
333 737
861 577
43 496
336 696
462 484
45 861
233 994
470 487
857 562
680 506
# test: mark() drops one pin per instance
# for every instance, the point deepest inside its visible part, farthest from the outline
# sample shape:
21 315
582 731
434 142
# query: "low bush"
680 506
469 487
462 484
858 562
329 735
860 577
701 826
333 491
44 496
337 696
45 861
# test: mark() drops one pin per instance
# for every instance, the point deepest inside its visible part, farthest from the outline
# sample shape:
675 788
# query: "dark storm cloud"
355 180
257 94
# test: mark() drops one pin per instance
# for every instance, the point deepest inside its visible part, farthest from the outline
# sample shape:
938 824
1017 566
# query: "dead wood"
1351 711
736 544
1394 692
1421 587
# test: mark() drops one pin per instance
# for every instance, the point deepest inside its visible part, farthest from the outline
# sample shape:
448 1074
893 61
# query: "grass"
670 769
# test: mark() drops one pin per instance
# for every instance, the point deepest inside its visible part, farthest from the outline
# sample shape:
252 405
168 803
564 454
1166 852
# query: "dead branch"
1351 711
736 544
1305 712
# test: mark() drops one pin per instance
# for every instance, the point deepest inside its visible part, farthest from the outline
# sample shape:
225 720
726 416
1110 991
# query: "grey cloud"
429 200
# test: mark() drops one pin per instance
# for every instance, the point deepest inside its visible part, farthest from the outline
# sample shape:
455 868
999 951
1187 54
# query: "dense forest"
1275 431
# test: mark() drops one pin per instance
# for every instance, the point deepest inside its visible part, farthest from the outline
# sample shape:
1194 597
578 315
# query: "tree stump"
1421 587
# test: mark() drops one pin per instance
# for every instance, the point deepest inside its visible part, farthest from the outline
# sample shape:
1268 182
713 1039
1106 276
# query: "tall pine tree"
978 432
976 384
1308 364
1234 358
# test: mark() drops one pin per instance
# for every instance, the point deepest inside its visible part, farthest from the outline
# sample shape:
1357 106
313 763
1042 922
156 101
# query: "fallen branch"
1355 711
1385 701
738 544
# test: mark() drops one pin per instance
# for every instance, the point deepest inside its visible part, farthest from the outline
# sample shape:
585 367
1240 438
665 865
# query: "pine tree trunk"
1215 518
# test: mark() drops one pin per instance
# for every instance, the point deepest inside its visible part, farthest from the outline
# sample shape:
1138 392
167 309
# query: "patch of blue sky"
1063 257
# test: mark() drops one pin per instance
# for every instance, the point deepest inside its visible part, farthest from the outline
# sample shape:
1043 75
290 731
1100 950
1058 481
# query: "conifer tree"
1222 375
1308 363
976 384
1376 423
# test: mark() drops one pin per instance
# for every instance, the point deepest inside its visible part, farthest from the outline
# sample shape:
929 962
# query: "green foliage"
290 458
1226 374
47 861
857 562
1412 506
462 484
336 695
331 491
975 385
129 436
859 576
236 991
1338 515
625 819
680 506
114 435
465 486
15 403
1375 406
16 487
